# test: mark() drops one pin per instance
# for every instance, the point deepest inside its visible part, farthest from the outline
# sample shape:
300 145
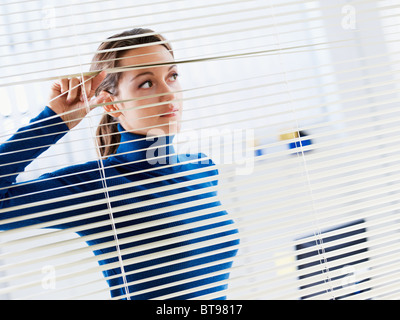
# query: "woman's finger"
96 81
73 90
64 85
88 88
55 90
94 101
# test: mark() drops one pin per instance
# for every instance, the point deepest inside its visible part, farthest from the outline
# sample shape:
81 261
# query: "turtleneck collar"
142 150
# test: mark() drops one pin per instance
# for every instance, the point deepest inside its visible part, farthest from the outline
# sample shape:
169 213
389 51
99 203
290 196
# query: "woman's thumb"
97 80
94 101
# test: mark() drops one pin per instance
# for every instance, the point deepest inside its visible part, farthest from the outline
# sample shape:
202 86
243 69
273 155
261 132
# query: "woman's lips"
172 114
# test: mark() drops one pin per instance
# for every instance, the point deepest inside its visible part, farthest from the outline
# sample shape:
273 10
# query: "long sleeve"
27 144
28 199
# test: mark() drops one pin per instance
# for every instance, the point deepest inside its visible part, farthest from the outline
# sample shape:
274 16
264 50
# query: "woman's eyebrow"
150 73
142 74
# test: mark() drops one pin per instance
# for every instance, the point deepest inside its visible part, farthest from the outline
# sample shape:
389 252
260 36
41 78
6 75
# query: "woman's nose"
166 93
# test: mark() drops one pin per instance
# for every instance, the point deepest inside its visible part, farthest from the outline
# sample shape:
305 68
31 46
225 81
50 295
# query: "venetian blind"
294 101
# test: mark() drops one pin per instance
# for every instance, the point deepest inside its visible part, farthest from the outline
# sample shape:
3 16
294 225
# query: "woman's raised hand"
67 97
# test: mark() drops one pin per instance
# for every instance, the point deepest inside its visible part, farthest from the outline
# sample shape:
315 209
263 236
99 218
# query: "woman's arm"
31 202
27 144
17 153
63 113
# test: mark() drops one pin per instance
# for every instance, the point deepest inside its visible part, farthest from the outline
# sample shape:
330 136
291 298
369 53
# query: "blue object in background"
302 143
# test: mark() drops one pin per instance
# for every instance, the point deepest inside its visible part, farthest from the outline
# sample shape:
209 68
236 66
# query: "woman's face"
157 86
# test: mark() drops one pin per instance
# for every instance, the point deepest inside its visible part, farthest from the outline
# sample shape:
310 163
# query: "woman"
141 199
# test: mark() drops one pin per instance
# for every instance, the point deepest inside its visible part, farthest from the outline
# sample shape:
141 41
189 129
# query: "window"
295 102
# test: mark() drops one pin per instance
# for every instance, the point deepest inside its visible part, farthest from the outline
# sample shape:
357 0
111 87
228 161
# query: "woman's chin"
170 128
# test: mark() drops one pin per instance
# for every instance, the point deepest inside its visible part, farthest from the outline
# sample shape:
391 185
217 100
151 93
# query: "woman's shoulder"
198 161
205 160
83 171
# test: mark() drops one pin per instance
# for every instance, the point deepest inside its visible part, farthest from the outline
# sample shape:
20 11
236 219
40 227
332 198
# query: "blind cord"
102 171
316 230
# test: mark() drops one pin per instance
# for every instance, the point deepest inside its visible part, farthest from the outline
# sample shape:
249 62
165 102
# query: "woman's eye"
146 85
174 76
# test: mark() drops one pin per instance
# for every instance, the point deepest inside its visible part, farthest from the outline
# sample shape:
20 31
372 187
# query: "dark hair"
107 131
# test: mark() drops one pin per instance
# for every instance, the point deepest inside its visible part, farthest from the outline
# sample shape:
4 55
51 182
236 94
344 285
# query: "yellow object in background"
288 136
301 143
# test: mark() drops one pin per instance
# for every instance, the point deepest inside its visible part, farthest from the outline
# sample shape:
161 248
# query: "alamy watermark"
232 147
349 20
49 278
48 17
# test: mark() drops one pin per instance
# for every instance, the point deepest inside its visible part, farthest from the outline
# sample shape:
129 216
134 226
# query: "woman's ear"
108 98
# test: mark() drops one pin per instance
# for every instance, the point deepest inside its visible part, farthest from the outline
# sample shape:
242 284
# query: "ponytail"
108 136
